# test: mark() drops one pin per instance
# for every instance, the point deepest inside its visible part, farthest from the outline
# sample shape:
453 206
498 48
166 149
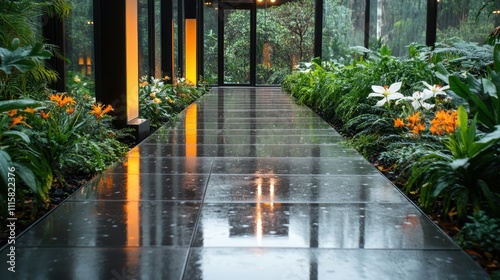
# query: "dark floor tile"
227 138
115 223
255 125
162 165
150 148
304 189
96 263
325 166
364 225
296 151
267 263
166 130
150 187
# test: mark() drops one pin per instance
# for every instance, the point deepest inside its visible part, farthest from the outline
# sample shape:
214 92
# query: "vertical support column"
117 62
190 40
318 29
431 30
53 32
167 39
367 24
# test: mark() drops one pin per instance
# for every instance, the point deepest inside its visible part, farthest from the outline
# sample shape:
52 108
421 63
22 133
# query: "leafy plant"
467 174
481 233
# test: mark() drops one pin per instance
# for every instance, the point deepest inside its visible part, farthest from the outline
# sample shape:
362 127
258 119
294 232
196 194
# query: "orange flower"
12 113
18 120
70 110
30 110
399 123
99 110
44 115
157 100
166 78
417 129
61 99
445 122
143 84
413 119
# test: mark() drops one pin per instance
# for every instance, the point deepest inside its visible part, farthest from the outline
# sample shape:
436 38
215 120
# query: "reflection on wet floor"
244 184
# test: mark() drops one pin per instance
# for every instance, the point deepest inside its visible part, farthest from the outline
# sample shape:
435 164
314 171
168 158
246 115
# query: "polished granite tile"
97 263
227 138
163 165
276 263
207 113
256 125
298 151
343 226
171 131
115 223
301 189
157 150
326 166
150 187
150 149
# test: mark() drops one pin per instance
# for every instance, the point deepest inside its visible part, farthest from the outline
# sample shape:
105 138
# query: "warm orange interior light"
191 75
191 133
133 196
132 45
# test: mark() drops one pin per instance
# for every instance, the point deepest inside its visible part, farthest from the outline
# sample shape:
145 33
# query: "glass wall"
143 38
343 27
459 19
210 41
397 25
79 29
285 37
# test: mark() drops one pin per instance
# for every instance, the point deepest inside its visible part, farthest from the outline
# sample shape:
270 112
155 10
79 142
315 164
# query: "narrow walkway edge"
245 184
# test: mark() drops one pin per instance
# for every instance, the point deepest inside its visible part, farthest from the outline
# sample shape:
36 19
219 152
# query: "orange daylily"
44 115
70 110
12 113
445 122
99 110
399 122
18 120
62 99
30 110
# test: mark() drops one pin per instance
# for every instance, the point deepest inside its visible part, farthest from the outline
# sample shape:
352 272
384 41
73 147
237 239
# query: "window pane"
343 26
397 23
457 19
79 29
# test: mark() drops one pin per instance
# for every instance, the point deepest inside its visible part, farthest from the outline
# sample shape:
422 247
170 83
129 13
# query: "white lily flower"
418 98
435 90
387 93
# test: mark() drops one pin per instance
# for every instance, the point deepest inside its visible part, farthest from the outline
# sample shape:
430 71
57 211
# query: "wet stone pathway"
245 184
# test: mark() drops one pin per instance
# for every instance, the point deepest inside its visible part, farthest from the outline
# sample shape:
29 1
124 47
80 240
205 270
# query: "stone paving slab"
244 184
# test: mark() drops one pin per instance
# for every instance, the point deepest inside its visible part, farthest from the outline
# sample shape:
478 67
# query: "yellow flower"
143 84
76 79
30 110
153 95
399 123
170 100
166 78
18 120
157 100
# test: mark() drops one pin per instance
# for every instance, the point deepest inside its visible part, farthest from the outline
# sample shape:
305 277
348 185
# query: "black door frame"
253 38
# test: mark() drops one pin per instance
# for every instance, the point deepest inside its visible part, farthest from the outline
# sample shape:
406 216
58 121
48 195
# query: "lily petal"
381 102
395 87
375 94
378 89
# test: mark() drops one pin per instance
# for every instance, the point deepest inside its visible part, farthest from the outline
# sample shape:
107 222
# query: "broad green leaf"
8 105
19 134
5 164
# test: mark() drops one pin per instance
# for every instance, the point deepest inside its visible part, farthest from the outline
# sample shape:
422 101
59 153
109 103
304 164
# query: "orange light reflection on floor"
133 195
191 133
